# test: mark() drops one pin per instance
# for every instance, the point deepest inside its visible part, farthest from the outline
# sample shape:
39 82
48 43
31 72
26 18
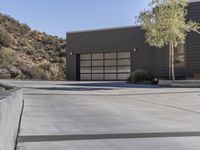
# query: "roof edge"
193 1
103 29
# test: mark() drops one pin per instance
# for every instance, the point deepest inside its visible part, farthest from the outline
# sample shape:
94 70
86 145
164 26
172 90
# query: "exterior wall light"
71 53
135 50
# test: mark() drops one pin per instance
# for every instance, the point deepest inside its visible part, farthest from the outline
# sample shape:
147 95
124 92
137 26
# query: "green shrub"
141 77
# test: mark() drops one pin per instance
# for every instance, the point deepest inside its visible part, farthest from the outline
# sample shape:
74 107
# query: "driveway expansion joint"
48 138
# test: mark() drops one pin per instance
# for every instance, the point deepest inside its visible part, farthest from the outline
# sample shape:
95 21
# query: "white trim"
193 1
103 29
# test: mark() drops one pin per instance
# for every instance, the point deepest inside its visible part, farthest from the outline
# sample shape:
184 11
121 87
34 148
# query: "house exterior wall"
115 40
193 42
127 39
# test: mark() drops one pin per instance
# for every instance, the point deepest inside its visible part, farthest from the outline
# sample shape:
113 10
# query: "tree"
166 24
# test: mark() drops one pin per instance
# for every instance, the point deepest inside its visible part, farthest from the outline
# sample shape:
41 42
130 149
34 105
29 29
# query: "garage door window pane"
97 56
110 69
97 69
124 69
85 70
110 62
123 76
97 76
97 63
124 55
86 77
85 56
85 63
124 62
110 55
110 76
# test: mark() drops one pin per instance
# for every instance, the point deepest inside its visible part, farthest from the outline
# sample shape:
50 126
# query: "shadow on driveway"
114 84
45 138
71 88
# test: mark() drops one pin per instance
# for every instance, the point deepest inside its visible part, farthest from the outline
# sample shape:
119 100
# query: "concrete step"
180 83
186 85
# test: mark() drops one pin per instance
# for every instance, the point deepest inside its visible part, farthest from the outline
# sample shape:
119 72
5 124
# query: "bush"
6 39
38 74
142 77
7 56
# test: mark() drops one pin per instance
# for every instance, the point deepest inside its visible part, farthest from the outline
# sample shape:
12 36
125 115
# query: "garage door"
105 66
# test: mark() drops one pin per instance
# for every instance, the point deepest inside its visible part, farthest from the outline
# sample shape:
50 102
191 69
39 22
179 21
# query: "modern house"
111 54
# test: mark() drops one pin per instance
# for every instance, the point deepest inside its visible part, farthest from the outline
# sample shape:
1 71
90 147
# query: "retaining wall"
11 104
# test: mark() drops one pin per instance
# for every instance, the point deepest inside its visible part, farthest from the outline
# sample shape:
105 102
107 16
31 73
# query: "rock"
14 72
4 73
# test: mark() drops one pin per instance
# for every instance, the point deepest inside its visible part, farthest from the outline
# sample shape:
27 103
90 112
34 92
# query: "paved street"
108 116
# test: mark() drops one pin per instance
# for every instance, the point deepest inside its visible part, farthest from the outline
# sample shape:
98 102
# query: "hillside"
29 54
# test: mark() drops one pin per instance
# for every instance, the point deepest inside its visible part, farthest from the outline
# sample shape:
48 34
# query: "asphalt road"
108 116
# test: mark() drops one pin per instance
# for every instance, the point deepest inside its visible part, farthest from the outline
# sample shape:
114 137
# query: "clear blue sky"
56 17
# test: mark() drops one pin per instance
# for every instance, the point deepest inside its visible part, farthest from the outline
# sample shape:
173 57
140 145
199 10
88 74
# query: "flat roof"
103 29
192 1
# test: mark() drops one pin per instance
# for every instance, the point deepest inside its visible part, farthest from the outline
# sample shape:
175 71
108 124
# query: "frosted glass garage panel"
110 69
97 69
123 76
85 76
124 69
97 62
110 63
110 55
85 63
97 56
124 55
124 62
85 56
85 69
97 76
110 76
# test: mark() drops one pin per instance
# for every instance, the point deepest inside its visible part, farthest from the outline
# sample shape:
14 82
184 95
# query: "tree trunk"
170 60
173 62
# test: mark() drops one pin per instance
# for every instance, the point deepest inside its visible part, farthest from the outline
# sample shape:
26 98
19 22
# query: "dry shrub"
6 39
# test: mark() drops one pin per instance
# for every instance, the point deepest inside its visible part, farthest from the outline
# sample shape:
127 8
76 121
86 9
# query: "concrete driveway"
108 116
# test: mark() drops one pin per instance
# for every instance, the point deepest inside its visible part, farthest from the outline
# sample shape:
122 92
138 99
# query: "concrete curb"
180 83
11 104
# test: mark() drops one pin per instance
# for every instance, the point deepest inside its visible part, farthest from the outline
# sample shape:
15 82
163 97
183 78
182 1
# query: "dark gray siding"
123 39
161 62
193 41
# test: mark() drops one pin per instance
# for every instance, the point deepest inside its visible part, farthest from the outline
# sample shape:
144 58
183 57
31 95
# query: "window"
179 53
124 62
85 69
110 55
111 76
124 55
85 57
110 62
123 76
85 63
85 76
96 63
97 56
97 76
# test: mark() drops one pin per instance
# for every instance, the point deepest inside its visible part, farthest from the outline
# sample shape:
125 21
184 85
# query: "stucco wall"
10 111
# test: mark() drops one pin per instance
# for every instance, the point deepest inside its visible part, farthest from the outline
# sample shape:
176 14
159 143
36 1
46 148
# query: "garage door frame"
87 70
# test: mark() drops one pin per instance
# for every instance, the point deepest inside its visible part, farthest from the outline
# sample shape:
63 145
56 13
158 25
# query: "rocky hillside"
29 54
